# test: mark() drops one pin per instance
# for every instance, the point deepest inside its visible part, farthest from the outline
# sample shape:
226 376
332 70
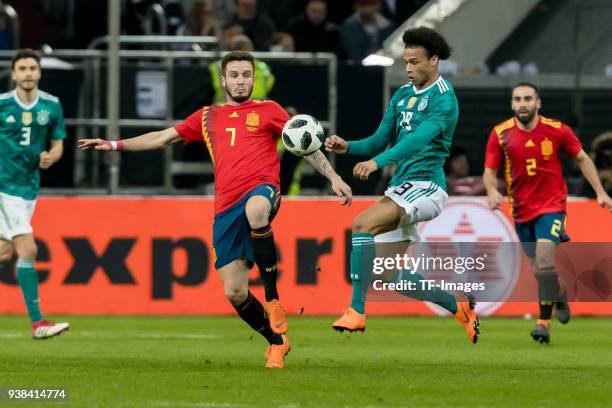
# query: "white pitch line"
11 335
178 336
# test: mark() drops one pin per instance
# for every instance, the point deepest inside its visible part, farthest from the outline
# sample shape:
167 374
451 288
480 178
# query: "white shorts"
422 201
15 216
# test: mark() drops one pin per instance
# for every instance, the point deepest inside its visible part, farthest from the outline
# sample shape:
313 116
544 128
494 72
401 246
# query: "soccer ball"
303 135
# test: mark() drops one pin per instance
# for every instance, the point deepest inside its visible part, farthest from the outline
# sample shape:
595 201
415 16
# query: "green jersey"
25 132
422 123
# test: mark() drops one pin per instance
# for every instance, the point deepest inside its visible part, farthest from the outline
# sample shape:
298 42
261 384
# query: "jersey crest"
26 118
252 121
547 149
422 104
42 117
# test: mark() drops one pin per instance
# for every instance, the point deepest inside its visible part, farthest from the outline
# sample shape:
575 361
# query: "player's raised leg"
381 217
259 209
424 202
235 277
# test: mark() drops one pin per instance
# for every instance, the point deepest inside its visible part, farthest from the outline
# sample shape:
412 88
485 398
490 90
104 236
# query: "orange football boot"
276 314
351 320
276 353
466 315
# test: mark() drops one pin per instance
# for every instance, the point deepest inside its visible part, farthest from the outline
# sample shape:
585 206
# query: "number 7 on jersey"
233 132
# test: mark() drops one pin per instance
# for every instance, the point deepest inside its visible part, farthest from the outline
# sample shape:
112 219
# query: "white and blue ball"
303 135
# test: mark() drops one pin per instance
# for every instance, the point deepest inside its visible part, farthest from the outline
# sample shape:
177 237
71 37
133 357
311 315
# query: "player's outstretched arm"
408 147
149 141
589 171
489 178
320 163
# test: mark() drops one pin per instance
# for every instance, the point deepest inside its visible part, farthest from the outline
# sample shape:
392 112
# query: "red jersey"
533 172
242 143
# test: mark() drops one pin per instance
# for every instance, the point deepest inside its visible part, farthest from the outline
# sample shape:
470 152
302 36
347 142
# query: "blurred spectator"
282 42
258 27
398 11
201 19
312 32
337 10
240 43
601 154
362 34
228 32
280 11
264 79
136 18
458 179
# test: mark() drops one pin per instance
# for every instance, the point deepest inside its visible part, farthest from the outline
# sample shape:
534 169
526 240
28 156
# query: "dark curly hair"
429 39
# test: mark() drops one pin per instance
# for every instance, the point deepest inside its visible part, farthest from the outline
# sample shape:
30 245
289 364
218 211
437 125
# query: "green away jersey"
25 132
422 123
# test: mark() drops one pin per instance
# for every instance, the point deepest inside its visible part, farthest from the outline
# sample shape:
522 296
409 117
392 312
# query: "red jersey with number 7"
532 167
241 140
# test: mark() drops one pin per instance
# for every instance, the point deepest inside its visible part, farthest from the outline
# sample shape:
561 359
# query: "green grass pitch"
109 361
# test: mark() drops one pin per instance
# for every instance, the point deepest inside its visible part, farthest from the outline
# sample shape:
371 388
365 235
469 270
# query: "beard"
239 98
525 117
27 86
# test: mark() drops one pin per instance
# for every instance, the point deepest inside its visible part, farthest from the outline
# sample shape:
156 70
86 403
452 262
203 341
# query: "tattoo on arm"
319 162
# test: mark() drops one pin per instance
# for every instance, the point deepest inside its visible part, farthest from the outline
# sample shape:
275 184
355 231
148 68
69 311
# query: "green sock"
362 257
435 295
28 282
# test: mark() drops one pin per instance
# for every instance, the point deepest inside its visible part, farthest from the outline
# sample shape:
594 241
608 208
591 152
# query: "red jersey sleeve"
278 119
191 128
493 157
570 142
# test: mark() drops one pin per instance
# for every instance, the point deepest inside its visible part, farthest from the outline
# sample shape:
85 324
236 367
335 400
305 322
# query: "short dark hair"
528 85
430 39
23 54
236 56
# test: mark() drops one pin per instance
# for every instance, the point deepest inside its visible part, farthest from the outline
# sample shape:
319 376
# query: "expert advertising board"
154 255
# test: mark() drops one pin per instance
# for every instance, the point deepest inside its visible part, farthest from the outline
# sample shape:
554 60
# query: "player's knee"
258 214
29 251
544 260
360 225
236 295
